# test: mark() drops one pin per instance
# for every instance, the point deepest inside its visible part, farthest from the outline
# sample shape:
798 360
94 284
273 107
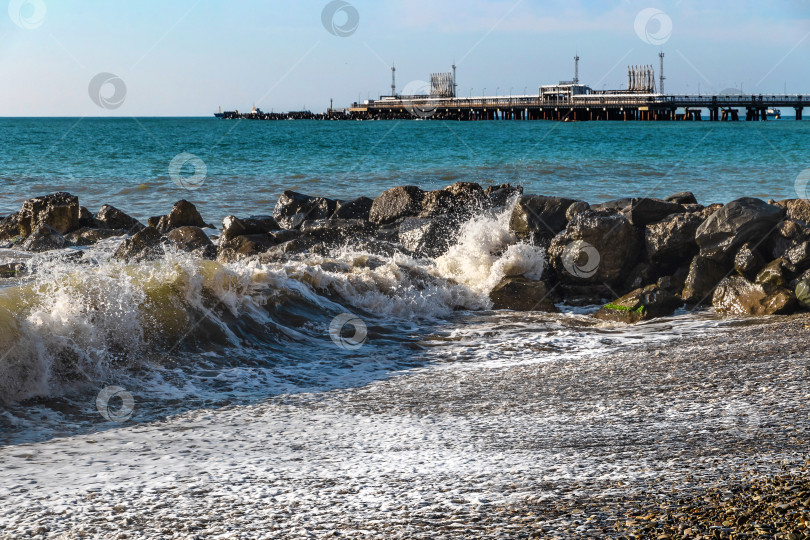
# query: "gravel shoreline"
671 439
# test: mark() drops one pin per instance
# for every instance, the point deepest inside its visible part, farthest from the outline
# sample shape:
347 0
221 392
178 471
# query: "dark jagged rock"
539 217
672 240
248 245
618 205
737 296
293 208
738 222
774 273
797 209
233 226
358 208
396 203
577 208
143 246
427 237
44 238
500 195
86 219
336 231
641 304
87 236
748 261
645 211
462 199
683 197
189 238
704 275
110 217
59 211
521 294
595 247
12 270
798 258
641 274
183 214
10 228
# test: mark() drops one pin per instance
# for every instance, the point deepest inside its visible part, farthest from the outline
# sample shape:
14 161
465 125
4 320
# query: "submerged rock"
293 208
59 211
110 217
143 246
738 222
737 296
521 294
396 203
539 217
641 304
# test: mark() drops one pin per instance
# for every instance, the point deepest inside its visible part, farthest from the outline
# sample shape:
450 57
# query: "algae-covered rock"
641 304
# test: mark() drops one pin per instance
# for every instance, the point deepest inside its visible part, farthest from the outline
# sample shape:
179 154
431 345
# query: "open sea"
110 372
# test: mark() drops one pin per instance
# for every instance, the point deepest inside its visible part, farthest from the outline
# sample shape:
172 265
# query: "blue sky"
187 57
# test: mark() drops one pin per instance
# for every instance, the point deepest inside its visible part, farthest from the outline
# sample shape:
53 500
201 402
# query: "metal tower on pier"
661 73
393 80
576 69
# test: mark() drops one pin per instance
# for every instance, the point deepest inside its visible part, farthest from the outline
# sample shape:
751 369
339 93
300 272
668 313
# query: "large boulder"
427 237
462 199
358 208
142 246
645 211
233 226
110 217
44 238
595 247
683 197
10 228
248 245
59 211
735 295
189 238
183 214
539 217
522 294
396 203
500 195
293 208
641 304
336 231
740 221
672 240
704 275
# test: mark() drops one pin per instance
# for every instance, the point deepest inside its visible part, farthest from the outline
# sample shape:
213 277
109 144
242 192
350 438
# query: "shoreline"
567 449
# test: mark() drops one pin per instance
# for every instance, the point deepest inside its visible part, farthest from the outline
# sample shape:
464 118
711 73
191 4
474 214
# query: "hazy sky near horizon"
187 57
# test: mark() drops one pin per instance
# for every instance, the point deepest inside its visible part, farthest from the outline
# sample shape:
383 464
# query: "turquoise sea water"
125 161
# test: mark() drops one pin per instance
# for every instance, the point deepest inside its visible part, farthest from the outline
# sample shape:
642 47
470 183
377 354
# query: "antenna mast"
661 73
454 78
393 81
576 69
